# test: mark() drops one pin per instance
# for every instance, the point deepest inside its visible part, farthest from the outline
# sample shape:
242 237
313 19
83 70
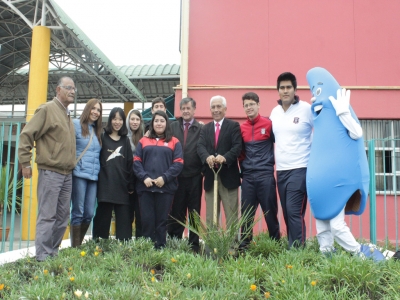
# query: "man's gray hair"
218 98
59 82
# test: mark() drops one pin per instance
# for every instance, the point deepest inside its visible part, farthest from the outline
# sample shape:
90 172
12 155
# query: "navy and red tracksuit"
155 158
257 169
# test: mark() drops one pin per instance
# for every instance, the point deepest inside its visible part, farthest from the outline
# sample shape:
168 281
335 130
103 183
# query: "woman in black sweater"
115 179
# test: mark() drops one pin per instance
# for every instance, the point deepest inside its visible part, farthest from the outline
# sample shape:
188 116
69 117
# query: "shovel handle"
215 210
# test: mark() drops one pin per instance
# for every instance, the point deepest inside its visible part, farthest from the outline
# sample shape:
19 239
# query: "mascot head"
322 85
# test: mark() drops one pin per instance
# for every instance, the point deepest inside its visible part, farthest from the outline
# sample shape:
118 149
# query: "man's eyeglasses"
68 88
249 105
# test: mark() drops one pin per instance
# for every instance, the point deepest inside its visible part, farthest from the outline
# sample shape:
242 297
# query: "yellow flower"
152 271
70 268
45 272
87 294
72 279
96 253
78 293
1 286
314 283
83 253
215 250
36 277
173 260
253 287
267 295
189 275
289 266
153 279
283 281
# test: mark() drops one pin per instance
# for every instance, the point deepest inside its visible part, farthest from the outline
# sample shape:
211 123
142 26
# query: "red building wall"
249 43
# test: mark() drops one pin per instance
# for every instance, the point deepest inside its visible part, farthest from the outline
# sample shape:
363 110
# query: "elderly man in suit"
220 143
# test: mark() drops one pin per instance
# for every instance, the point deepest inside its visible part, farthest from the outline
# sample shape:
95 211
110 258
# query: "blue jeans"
83 200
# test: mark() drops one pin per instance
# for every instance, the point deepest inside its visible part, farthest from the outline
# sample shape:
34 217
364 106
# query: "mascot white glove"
341 105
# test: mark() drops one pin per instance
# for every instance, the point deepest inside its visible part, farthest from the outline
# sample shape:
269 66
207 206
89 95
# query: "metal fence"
380 221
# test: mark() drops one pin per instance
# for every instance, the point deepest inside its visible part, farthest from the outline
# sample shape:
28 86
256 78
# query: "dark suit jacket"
229 146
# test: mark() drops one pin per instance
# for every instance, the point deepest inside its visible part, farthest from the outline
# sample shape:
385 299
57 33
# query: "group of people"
152 174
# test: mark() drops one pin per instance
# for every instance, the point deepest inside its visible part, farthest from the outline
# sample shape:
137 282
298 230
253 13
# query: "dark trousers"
135 214
102 221
187 199
293 194
260 190
154 210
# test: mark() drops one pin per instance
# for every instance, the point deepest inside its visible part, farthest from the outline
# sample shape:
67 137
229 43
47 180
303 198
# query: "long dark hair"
167 132
123 131
84 119
137 134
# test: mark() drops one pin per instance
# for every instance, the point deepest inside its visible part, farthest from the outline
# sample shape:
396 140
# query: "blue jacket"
257 157
158 158
88 166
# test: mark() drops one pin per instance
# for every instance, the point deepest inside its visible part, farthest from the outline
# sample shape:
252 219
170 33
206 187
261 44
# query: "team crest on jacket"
262 130
296 120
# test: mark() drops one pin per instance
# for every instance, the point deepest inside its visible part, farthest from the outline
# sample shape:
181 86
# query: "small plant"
6 190
220 242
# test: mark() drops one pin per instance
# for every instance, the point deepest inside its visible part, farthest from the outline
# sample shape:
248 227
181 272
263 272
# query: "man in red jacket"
257 168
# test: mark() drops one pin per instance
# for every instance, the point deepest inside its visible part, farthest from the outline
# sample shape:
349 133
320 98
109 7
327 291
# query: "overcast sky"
130 32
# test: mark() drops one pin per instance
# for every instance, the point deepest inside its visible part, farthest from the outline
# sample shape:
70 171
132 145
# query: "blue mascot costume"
337 171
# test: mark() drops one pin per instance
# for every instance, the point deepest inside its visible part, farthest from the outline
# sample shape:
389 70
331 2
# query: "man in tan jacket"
52 130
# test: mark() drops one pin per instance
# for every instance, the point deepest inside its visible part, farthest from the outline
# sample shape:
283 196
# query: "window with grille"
386 134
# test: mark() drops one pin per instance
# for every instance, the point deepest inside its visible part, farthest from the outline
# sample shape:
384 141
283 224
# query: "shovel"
215 212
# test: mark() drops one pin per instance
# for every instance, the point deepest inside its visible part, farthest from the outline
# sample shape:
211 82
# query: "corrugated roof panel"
167 69
129 70
175 70
137 71
151 70
142 70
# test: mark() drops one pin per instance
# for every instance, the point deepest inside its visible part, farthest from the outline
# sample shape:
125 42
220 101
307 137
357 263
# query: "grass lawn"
134 270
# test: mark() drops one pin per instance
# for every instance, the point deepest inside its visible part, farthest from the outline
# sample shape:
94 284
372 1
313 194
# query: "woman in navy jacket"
157 163
85 174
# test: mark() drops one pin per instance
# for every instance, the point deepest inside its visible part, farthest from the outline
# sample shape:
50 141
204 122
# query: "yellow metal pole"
127 107
37 95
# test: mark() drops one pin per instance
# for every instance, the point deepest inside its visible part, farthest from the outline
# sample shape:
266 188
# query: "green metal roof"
63 17
151 71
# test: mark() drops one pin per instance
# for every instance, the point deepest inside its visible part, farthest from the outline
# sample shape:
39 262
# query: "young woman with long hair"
115 179
135 128
157 163
85 175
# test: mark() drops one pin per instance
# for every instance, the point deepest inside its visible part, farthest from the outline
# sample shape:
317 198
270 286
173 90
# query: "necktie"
216 134
185 132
